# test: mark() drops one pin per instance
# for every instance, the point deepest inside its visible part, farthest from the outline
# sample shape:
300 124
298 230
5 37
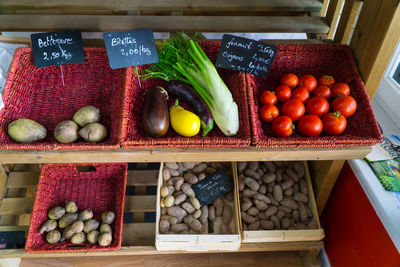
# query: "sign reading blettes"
57 48
130 48
246 55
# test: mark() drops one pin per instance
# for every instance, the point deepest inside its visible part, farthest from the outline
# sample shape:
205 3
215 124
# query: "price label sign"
130 48
246 55
57 48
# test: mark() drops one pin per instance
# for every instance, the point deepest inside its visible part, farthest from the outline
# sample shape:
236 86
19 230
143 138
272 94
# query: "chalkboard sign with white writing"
246 55
212 187
57 48
130 48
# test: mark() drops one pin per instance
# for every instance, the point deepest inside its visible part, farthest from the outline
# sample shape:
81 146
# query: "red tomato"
326 80
318 106
283 93
290 80
323 91
268 97
294 109
340 89
301 93
334 123
282 126
310 125
269 112
308 81
347 105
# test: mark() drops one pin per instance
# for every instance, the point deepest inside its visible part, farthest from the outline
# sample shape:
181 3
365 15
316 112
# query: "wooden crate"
285 235
198 242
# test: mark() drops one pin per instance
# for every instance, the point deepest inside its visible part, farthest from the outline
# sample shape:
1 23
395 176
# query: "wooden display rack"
369 27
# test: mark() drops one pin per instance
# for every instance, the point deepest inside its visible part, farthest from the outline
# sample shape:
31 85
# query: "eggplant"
186 92
155 112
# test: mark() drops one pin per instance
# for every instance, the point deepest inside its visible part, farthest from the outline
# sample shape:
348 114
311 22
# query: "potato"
225 229
67 219
246 205
299 168
179 199
229 196
247 218
253 211
195 203
211 214
56 213
254 226
290 203
204 214
302 213
275 221
285 209
263 189
227 215
193 223
271 211
299 226
210 170
253 184
309 212
86 115
270 166
53 236
296 188
170 219
277 190
219 207
171 190
269 177
171 165
79 238
273 201
166 175
164 226
190 178
300 197
179 227
303 187
163 211
93 237
262 198
262 215
26 131
286 177
241 166
164 191
66 132
201 176
188 165
287 184
93 132
173 172
90 225
241 182
312 225
199 168
176 212
248 193
48 226
292 175
279 175
267 225
188 207
187 189
289 191
162 204
252 174
285 222
105 239
261 205
169 201
280 214
252 165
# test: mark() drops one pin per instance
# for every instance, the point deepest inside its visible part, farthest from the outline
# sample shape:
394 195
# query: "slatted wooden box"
198 242
284 235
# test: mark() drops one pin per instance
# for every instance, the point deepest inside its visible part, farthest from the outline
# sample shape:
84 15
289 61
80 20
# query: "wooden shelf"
216 154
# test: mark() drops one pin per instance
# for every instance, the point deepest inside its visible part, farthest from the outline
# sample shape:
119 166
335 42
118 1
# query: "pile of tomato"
307 102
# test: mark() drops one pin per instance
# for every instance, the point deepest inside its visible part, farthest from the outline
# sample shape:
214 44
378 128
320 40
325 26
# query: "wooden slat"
138 234
150 250
16 206
140 203
332 16
163 23
325 4
234 154
142 177
374 40
22 179
24 228
347 21
3 183
166 5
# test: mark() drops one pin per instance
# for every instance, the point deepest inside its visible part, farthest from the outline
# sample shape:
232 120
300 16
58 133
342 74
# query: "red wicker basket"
336 60
100 190
39 94
135 137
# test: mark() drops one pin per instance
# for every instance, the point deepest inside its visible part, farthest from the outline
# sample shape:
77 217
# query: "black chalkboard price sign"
57 48
246 55
130 48
212 187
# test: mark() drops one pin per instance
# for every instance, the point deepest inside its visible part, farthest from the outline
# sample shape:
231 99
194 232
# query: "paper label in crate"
246 55
130 48
57 48
213 187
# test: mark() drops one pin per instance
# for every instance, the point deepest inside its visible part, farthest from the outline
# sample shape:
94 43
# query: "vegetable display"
307 106
184 60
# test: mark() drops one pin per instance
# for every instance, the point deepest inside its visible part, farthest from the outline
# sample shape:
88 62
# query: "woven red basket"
100 190
135 137
336 60
39 94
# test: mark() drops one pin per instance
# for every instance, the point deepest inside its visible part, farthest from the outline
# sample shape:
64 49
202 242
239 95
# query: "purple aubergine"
186 92
155 112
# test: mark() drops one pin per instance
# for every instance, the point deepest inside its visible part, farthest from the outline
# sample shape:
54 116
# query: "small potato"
285 209
225 229
179 199
217 165
270 187
90 225
262 216
53 236
269 177
249 193
271 211
164 191
166 175
93 237
260 172
204 215
172 165
178 184
252 165
177 228
171 190
303 187
299 168
251 183
190 178
279 175
176 212
273 201
199 168
173 172
262 198
229 196
219 207
288 192
246 205
285 222
254 226
290 203
292 175
261 205
169 201
201 176
242 185
247 218
267 225
263 189
241 166
299 226
270 166
252 174
195 203
295 215
105 239
253 211
285 185
210 170
170 219
162 204
277 190
300 197
280 214
188 165
211 213
79 238
164 226
187 189
193 223
286 177
163 211
296 188
227 215
188 207
312 225
302 213
275 221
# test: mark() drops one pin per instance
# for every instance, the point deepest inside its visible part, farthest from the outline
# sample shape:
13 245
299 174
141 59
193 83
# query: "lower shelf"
139 230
